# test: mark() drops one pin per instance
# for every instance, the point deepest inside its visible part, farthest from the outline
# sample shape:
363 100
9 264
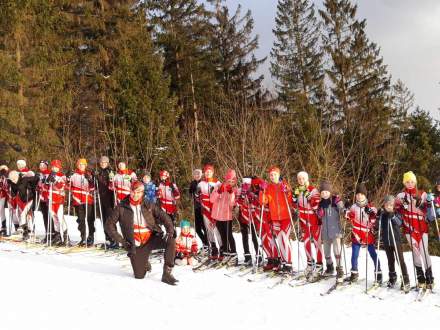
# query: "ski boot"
392 279
56 240
378 279
316 275
286 268
232 260
405 285
167 277
90 240
429 278
214 253
308 272
421 280
247 260
269 265
329 270
339 274
276 265
354 276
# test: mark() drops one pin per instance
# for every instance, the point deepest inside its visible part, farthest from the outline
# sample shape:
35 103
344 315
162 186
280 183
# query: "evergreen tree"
234 46
297 58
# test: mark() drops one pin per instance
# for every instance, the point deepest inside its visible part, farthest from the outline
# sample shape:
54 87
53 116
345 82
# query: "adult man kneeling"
141 232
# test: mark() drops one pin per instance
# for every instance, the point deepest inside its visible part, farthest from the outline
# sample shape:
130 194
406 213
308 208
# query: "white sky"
408 32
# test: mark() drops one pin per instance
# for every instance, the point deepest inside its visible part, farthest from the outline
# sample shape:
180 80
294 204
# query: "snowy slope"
89 291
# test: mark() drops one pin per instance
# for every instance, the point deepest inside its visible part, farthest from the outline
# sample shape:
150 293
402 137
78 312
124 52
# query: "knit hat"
56 163
274 169
104 159
325 186
136 185
247 180
304 174
21 163
81 161
164 173
185 223
208 167
388 199
361 189
409 176
45 162
197 171
230 175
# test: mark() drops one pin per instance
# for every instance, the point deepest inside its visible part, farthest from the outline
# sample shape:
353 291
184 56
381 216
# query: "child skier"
330 209
186 245
414 207
277 196
150 189
362 215
389 226
306 200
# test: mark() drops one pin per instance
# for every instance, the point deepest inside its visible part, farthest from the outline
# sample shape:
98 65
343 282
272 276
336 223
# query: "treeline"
174 84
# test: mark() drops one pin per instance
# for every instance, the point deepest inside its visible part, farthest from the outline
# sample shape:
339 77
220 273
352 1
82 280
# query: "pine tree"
297 58
234 49
360 92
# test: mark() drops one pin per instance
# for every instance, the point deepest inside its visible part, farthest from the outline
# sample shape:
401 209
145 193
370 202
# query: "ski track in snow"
74 291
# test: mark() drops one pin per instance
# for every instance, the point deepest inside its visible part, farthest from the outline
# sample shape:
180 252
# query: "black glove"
69 173
51 178
180 255
88 176
211 189
418 201
130 248
368 210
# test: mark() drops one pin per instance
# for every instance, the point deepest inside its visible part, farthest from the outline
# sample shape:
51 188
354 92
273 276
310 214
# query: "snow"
42 289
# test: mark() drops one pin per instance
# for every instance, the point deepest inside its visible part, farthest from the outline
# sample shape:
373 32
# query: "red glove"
229 188
222 188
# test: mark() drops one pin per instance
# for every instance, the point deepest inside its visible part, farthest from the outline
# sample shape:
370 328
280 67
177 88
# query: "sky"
407 31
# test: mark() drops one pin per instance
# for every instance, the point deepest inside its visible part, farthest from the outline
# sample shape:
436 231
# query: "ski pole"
294 230
399 263
435 216
411 230
261 228
100 210
86 222
366 250
378 248
343 246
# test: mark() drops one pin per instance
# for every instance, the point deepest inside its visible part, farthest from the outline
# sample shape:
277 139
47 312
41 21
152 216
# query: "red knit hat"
56 163
208 167
230 175
164 173
136 185
274 169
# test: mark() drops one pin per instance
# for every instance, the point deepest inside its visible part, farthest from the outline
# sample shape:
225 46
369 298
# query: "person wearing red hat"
306 204
168 195
55 184
204 190
223 201
277 197
81 184
122 181
141 223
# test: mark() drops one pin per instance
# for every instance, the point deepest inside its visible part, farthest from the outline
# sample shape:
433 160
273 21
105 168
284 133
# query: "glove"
51 178
211 189
222 188
229 188
307 194
88 176
69 173
180 255
429 197
131 249
368 210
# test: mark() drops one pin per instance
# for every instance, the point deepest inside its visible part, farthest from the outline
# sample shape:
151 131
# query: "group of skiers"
267 211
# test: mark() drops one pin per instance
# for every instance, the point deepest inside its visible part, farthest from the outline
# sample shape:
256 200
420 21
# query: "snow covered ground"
91 291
